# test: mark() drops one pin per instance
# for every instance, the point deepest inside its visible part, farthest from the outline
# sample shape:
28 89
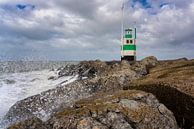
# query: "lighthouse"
128 45
128 40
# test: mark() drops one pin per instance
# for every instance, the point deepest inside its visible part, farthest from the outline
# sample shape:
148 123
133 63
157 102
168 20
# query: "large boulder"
142 67
46 103
149 62
84 69
120 110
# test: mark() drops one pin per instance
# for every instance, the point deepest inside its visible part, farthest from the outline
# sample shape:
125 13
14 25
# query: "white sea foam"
17 86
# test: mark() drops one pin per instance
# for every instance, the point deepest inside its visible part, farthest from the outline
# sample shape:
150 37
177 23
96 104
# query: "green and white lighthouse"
128 45
128 40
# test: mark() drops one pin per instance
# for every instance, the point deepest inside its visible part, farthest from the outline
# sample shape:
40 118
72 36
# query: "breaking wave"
21 81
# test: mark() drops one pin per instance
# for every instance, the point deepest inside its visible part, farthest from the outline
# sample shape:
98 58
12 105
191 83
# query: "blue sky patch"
144 3
25 6
163 4
19 6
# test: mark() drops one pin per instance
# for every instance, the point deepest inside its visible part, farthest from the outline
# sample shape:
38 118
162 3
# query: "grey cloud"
74 30
85 8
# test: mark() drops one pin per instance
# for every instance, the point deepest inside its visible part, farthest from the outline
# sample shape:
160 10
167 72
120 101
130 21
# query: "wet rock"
52 78
7 81
68 70
34 79
88 69
46 103
100 78
170 81
52 69
118 110
91 69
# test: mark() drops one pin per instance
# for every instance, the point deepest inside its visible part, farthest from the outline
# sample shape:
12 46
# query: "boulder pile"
117 95
120 110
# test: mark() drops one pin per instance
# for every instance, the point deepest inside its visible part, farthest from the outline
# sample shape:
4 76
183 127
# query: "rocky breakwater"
119 110
98 81
93 76
172 82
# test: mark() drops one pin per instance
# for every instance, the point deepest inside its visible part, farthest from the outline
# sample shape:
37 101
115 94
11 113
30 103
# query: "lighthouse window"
131 41
127 41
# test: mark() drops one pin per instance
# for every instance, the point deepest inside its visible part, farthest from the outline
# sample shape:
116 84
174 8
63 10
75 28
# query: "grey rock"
46 103
101 77
8 81
127 113
142 67
32 123
149 62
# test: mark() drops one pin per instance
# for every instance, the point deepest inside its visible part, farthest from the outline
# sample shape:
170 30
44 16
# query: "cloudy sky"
90 29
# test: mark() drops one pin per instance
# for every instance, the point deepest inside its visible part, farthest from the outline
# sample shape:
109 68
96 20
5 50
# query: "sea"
22 79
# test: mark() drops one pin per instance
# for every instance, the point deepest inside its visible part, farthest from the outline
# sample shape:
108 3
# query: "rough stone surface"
46 103
142 67
119 110
149 61
98 68
32 123
100 77
172 82
84 69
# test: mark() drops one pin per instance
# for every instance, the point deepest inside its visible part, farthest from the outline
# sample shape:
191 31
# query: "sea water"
18 86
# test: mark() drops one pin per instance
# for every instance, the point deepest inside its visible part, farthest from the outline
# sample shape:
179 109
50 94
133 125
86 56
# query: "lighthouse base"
128 58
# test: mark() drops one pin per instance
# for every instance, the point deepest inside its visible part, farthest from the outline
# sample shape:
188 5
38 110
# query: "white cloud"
70 29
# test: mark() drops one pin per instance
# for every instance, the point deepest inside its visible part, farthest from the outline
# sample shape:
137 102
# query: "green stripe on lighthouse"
128 36
129 47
